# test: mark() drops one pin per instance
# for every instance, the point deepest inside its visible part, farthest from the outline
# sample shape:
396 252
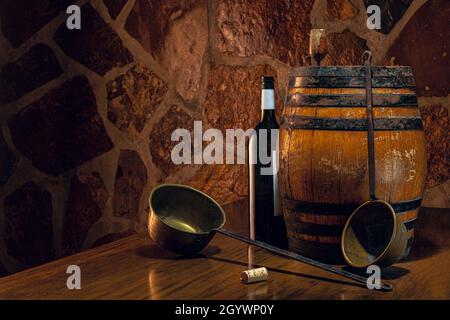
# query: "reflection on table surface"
136 268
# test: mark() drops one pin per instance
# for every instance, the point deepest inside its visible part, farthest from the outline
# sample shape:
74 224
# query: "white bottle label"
268 99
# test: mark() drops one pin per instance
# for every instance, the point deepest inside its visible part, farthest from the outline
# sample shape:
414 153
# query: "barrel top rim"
352 66
353 70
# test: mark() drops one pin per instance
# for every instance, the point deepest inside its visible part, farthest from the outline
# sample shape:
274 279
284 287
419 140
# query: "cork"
254 275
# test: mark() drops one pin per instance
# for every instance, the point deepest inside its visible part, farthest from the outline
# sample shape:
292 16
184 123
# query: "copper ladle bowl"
183 219
373 236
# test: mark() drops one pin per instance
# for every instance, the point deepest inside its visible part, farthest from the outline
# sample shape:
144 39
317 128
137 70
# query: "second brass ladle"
183 220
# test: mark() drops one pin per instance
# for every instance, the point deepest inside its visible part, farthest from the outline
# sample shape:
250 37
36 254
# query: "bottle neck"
267 104
267 115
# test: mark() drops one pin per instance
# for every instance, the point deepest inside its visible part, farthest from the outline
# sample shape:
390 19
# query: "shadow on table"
422 248
298 274
388 273
431 234
154 251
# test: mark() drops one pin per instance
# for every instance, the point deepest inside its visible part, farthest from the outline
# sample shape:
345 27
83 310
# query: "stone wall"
86 115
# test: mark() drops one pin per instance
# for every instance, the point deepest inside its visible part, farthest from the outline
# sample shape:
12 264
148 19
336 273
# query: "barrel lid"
351 71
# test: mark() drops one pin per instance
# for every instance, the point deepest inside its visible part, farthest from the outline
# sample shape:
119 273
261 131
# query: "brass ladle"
372 235
183 220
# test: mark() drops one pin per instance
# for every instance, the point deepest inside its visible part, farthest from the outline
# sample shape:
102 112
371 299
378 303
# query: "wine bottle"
266 218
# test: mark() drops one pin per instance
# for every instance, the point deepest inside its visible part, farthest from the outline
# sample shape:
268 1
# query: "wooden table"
135 268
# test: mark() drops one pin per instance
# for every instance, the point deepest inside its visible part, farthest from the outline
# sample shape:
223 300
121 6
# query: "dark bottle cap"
267 83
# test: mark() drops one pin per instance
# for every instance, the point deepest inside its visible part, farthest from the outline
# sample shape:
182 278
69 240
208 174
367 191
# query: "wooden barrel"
323 152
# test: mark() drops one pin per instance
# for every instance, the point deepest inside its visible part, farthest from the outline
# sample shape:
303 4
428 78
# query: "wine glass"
318 45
